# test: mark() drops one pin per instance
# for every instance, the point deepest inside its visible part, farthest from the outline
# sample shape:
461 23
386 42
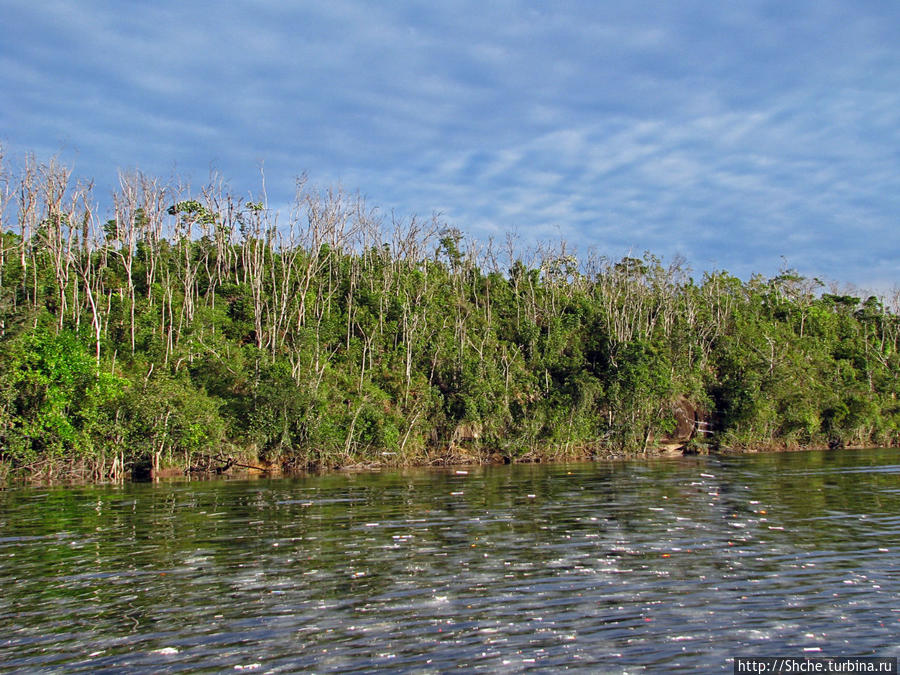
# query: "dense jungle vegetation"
181 327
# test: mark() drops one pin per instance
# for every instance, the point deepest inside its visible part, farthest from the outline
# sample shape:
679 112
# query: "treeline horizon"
180 327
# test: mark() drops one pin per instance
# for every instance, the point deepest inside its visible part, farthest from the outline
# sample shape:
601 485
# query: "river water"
670 564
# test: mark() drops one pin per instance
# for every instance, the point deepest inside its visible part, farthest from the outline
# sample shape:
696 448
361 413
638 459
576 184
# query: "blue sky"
742 135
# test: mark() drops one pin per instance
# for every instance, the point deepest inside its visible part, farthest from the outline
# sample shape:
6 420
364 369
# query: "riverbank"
249 465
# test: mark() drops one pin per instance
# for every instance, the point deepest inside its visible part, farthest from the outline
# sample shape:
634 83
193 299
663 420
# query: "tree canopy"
175 324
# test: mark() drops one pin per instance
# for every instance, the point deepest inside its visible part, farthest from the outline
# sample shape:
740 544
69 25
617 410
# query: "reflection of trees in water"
166 555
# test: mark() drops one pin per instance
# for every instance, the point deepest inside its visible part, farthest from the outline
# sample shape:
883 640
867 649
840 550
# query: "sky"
749 136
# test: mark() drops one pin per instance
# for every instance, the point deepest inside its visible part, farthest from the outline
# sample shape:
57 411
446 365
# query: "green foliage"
185 330
55 399
165 418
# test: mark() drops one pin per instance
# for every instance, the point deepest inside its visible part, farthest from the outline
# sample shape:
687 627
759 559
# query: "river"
629 566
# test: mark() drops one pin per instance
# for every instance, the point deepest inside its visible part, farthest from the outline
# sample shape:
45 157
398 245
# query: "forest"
170 327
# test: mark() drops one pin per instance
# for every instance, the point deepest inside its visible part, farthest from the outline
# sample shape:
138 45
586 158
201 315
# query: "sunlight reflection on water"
626 566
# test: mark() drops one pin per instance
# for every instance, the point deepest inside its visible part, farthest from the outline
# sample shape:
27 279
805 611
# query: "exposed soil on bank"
242 467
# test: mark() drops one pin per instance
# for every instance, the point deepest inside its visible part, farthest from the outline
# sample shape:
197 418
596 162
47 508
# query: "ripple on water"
611 567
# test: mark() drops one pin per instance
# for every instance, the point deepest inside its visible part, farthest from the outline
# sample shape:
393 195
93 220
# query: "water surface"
676 564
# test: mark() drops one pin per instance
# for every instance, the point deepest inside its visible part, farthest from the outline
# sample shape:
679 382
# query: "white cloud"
736 134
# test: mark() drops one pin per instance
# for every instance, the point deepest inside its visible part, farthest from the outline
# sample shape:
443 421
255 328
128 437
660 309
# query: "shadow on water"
618 566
